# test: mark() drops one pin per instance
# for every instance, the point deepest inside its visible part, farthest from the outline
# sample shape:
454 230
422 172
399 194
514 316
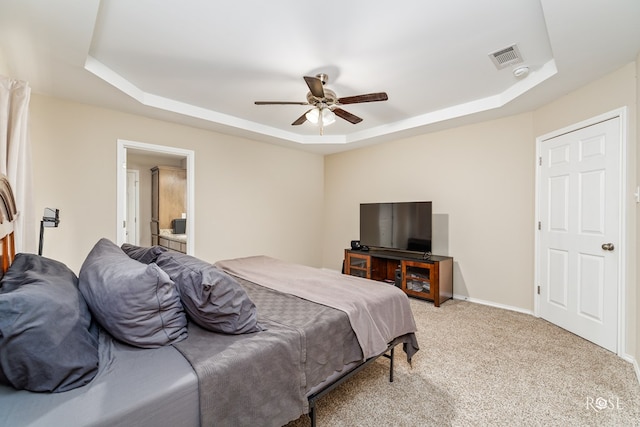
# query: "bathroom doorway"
142 157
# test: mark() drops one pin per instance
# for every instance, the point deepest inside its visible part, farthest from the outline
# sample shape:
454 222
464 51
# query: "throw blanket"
262 378
247 380
378 312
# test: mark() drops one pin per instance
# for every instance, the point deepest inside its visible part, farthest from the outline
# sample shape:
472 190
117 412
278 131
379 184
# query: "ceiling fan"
326 105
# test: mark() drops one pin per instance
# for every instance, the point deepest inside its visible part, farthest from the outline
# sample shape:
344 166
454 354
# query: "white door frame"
622 259
121 183
136 225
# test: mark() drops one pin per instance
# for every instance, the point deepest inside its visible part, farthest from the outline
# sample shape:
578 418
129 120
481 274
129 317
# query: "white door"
579 203
131 224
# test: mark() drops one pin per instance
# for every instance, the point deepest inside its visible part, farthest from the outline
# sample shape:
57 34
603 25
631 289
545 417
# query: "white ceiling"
204 63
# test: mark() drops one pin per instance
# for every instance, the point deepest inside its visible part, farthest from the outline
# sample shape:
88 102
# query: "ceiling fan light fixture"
313 115
328 116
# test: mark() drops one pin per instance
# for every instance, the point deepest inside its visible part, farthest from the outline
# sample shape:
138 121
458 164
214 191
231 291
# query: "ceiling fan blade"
300 120
280 103
370 97
347 115
315 86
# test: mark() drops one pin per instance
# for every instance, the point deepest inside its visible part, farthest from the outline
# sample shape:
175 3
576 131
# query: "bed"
249 341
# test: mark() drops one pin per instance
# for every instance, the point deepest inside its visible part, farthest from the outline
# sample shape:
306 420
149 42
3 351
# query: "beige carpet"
484 366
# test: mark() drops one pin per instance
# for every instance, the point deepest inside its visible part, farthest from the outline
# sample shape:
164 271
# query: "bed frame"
327 388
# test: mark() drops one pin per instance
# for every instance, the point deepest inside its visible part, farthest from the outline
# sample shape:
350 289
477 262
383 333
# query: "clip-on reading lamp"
51 218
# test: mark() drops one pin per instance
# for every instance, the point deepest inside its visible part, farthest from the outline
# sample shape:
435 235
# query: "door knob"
608 246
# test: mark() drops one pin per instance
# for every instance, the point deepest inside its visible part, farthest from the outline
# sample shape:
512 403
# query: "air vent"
505 57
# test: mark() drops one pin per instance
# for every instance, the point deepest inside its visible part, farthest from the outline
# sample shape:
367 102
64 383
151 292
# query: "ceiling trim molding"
534 78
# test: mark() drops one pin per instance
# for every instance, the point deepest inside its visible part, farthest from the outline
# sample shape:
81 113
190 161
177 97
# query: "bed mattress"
133 387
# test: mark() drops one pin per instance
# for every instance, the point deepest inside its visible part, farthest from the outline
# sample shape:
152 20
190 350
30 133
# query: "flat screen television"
401 225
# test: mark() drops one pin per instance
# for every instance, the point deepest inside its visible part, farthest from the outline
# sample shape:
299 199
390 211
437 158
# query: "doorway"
580 245
127 150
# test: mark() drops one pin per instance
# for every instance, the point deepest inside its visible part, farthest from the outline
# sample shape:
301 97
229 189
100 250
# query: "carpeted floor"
484 366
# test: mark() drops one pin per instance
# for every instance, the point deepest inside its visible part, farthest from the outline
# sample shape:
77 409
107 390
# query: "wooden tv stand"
430 279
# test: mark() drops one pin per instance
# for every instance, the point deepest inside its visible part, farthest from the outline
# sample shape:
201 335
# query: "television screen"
402 225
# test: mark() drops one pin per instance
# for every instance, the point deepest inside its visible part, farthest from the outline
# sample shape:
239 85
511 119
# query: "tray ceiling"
204 63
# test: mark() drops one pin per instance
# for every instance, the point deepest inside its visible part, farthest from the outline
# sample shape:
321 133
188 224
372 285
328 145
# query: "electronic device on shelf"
179 226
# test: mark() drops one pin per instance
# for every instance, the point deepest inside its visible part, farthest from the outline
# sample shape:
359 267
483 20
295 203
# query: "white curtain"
15 157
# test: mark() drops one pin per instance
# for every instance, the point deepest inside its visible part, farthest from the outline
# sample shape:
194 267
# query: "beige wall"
251 198
482 177
479 177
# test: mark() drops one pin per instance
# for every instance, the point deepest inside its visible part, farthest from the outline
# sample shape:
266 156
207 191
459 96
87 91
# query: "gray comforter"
263 378
377 311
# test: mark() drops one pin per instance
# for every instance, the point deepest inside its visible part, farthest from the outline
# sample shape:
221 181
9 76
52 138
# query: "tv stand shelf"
430 278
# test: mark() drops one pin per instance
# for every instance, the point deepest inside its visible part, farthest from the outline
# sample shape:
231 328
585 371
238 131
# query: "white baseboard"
634 362
492 304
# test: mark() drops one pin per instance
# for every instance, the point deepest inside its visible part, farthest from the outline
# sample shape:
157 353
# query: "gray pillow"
145 255
48 342
136 303
212 298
